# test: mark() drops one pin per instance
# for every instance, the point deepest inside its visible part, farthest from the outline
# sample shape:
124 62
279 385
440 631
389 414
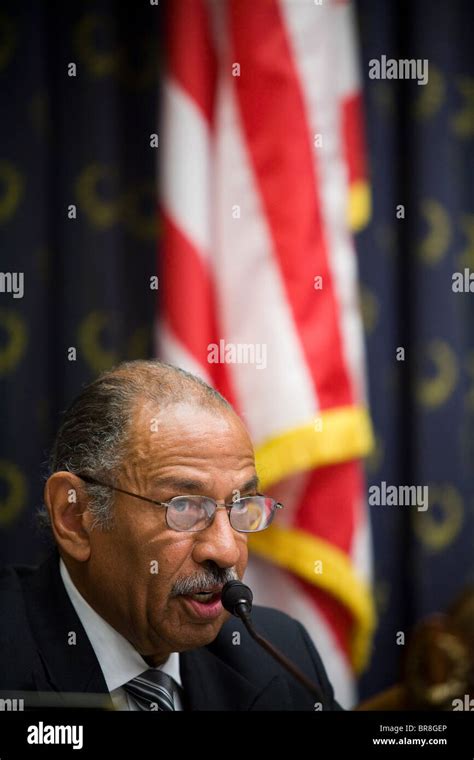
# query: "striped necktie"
153 690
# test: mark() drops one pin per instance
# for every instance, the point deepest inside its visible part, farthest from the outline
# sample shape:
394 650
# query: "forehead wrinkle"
154 457
195 469
163 462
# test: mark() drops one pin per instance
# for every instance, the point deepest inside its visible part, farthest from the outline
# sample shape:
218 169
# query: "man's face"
133 569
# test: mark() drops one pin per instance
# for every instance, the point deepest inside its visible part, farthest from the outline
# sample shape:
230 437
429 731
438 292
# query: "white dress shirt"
118 659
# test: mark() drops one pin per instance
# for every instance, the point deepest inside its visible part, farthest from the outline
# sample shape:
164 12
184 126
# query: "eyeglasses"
248 514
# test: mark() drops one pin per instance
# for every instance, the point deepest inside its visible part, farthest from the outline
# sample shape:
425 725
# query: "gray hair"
94 434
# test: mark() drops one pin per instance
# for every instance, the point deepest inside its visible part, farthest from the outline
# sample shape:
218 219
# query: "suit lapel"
211 684
67 661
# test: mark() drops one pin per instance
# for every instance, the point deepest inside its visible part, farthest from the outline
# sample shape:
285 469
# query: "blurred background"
131 148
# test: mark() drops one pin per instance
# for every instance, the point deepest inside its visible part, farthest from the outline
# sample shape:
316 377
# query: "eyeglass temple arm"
95 482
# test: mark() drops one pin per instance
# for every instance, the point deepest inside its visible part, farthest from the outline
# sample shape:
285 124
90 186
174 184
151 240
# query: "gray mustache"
203 580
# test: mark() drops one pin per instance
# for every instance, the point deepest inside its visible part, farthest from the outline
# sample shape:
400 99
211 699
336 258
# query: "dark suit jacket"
36 617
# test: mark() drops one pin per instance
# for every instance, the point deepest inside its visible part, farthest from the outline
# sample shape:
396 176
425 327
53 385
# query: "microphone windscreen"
235 592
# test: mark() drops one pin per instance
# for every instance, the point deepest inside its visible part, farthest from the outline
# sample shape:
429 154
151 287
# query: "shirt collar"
118 659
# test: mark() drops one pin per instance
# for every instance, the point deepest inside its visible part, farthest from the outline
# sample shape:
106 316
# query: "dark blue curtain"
421 150
65 141
84 141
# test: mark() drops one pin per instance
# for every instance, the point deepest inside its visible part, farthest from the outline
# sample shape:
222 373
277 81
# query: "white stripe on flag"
171 350
186 167
348 70
252 299
361 546
312 34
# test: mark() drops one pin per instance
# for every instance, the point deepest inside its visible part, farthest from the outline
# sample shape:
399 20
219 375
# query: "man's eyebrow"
185 485
250 485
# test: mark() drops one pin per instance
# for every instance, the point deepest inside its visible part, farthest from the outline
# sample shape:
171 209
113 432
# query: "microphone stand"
240 606
281 658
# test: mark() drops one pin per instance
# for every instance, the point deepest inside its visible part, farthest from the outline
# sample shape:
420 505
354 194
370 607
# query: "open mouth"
204 605
205 597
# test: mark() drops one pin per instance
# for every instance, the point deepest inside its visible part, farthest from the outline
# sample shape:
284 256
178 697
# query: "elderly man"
152 494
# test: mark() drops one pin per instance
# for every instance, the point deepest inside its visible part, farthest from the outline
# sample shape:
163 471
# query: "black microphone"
237 599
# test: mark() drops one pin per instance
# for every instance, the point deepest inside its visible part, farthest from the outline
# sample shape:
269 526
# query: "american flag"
262 182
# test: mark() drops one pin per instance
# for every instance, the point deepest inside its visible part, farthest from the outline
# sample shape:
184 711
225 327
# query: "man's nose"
218 542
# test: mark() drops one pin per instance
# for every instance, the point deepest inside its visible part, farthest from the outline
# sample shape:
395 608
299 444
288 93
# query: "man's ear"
66 502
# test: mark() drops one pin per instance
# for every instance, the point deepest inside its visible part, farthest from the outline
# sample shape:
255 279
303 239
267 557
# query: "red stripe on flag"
188 301
336 614
329 508
328 504
278 140
191 55
353 136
